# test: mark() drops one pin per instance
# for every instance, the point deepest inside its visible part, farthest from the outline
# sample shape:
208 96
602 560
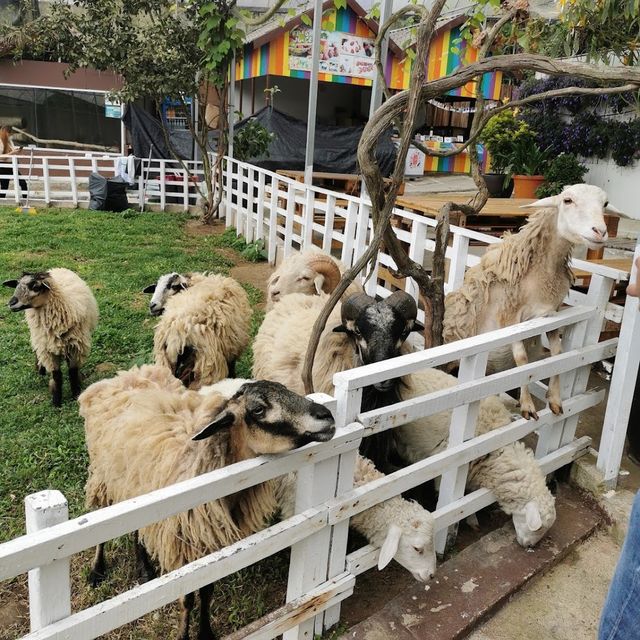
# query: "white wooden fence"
284 213
57 178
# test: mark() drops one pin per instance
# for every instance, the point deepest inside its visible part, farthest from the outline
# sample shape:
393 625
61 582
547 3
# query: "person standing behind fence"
620 618
8 150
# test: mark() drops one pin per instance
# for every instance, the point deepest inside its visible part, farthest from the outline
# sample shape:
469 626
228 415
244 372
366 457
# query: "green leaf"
305 19
455 50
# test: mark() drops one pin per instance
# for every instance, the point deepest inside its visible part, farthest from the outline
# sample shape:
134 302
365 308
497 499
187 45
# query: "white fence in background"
57 178
283 212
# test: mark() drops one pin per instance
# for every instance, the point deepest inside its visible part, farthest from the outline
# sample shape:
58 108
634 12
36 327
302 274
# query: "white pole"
313 92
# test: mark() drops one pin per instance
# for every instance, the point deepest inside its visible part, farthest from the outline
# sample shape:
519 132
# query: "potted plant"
563 170
528 163
497 138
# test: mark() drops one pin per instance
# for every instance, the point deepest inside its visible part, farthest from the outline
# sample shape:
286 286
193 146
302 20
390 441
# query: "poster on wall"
340 53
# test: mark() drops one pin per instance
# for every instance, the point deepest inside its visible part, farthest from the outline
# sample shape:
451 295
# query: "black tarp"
335 147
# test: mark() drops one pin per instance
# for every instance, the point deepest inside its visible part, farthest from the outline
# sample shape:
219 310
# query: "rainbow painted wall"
272 58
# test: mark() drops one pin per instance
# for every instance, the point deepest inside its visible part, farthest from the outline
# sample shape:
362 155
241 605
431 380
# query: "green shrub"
563 170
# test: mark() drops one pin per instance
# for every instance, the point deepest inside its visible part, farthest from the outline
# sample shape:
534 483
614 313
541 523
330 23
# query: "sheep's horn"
352 307
402 302
326 266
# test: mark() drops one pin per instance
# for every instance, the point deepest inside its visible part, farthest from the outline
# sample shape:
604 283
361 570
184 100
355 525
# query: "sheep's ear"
10 283
532 515
150 289
222 421
318 281
551 201
611 209
340 329
390 546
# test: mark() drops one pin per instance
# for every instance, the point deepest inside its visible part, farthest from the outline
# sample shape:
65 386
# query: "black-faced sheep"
145 431
311 272
359 331
168 285
203 331
510 472
402 529
528 276
61 313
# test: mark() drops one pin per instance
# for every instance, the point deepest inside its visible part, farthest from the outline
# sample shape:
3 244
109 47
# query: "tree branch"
65 143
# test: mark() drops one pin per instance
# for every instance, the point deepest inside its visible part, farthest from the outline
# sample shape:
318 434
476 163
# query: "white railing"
55 179
321 573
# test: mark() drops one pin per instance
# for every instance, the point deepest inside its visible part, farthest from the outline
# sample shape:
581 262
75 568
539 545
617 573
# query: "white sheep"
311 272
144 431
168 285
528 276
203 331
402 529
510 472
61 313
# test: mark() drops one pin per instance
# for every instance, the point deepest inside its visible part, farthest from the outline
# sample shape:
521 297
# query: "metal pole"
231 101
313 91
376 87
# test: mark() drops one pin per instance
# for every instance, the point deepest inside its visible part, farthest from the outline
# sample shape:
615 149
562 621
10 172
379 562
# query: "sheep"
402 529
168 285
203 331
61 313
359 331
528 276
510 472
311 272
144 432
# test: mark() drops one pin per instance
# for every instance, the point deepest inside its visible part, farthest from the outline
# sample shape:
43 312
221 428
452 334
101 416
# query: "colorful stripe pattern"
452 164
272 58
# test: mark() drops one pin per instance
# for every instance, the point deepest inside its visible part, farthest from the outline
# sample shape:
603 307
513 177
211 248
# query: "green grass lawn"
42 447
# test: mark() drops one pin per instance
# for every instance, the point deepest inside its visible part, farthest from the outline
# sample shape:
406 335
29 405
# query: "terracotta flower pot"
525 186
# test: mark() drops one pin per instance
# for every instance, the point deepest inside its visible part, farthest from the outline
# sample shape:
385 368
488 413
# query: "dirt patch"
253 273
196 228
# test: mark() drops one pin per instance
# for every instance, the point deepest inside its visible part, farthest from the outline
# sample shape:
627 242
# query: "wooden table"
343 182
497 216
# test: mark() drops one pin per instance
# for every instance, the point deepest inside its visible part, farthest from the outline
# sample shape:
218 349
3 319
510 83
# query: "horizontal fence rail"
289 216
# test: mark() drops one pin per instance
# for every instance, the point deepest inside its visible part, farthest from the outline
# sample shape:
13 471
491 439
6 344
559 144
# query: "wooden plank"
364 497
409 410
408 363
38 549
134 603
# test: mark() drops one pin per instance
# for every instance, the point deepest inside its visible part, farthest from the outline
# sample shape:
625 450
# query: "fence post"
573 382
16 180
259 232
288 221
625 371
163 185
458 262
329 217
417 246
350 227
462 428
362 228
45 177
322 555
185 190
309 210
273 220
228 214
248 223
72 179
49 586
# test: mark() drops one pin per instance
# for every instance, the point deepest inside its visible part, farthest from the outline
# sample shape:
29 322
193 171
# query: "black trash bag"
107 194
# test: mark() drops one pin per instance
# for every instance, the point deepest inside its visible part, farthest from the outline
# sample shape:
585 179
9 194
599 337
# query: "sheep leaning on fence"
168 285
311 272
511 472
359 331
144 431
401 529
203 331
61 313
528 276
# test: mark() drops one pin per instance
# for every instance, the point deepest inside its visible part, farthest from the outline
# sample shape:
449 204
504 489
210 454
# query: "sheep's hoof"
529 414
556 408
95 578
472 521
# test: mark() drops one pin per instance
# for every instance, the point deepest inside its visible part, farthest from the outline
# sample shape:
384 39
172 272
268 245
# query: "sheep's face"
31 291
412 547
378 329
581 209
310 273
530 523
168 285
274 418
